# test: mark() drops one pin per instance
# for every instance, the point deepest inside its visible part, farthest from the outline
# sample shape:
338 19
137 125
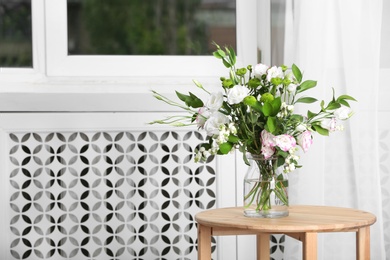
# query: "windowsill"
96 95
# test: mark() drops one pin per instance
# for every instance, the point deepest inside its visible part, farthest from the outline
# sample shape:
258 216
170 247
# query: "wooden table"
303 223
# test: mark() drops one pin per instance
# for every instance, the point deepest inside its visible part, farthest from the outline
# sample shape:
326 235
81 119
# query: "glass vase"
265 189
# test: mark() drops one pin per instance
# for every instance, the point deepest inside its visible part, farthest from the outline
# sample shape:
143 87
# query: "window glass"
150 27
15 33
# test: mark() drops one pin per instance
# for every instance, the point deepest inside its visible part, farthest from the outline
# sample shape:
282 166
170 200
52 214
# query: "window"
67 57
64 73
15 33
149 27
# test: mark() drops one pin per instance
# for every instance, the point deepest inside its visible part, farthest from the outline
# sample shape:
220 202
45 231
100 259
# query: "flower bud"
267 97
241 72
250 100
227 83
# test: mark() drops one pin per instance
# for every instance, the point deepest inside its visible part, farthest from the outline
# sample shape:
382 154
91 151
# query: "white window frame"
62 64
38 50
59 82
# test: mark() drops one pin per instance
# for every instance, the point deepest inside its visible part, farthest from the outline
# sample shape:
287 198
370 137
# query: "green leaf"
307 100
181 96
281 160
271 124
298 118
276 104
310 114
343 102
226 63
333 105
267 109
195 102
191 100
345 97
297 73
219 54
233 139
320 130
308 84
232 55
225 147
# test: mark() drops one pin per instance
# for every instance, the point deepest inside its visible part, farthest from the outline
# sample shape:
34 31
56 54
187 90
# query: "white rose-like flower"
260 69
301 128
215 101
292 87
274 72
342 113
203 115
290 77
329 124
214 123
285 142
236 94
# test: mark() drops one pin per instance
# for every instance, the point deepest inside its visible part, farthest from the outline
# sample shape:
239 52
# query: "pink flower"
305 140
201 118
267 139
329 124
285 142
267 151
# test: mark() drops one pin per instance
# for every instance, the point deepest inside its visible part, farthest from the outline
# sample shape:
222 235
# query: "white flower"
214 123
274 72
260 69
285 142
290 77
329 124
342 113
223 136
236 94
301 128
292 87
202 116
232 128
215 101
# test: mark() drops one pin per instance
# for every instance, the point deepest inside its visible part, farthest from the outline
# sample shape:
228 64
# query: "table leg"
204 242
309 246
363 243
263 247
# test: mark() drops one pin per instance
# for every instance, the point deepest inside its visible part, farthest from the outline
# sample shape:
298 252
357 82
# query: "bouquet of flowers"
254 113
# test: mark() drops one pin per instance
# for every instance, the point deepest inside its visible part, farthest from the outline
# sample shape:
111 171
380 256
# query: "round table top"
300 219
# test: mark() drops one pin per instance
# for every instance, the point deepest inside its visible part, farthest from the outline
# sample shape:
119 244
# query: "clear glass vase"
265 189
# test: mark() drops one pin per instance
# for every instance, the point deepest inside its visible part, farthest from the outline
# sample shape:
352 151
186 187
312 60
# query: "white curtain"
338 43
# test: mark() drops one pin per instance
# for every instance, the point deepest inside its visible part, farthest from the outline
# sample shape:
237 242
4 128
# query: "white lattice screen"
106 195
110 188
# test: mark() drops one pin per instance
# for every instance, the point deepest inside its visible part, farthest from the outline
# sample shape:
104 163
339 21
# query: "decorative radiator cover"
106 195
105 186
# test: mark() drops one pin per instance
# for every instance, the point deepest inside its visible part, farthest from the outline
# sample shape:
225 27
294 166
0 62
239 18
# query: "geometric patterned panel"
107 195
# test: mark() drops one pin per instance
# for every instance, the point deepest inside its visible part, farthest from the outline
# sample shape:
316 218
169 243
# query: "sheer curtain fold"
338 44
